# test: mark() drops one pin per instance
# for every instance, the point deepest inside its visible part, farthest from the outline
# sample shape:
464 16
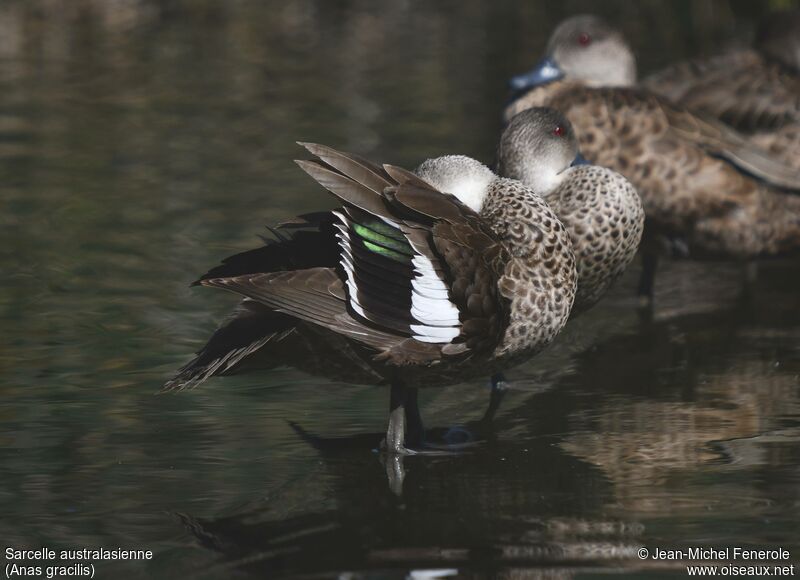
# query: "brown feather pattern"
395 232
671 157
745 89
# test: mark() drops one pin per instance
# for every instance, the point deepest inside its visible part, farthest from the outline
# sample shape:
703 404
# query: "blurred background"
142 141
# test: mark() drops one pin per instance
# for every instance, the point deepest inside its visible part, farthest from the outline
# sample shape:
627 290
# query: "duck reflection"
705 393
567 480
515 510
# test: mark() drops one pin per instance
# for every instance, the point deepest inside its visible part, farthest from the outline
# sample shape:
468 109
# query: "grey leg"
483 429
647 278
749 276
749 282
750 273
396 431
499 389
415 430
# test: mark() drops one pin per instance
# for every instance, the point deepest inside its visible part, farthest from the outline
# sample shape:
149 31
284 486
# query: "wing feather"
404 269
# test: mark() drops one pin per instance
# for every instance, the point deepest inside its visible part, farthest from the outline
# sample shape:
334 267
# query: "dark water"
141 142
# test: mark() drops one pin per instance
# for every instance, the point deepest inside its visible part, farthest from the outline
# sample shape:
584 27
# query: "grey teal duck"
599 207
704 187
403 284
755 90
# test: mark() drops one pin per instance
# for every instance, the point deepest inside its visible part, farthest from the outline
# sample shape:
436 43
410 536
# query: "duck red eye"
558 131
584 39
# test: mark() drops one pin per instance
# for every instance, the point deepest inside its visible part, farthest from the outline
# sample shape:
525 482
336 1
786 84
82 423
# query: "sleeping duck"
517 309
704 187
405 284
601 210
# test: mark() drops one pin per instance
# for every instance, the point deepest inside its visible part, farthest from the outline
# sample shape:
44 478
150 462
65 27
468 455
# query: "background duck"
424 291
599 207
695 176
755 90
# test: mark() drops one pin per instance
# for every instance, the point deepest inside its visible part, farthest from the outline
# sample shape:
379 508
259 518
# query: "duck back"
683 166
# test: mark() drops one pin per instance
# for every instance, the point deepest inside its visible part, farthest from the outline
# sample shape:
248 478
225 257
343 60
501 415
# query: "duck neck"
540 96
540 177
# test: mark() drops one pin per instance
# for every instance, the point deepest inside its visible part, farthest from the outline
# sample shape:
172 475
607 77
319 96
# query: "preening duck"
703 185
403 284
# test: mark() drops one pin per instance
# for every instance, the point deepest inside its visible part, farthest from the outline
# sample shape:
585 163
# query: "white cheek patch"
542 174
471 191
548 182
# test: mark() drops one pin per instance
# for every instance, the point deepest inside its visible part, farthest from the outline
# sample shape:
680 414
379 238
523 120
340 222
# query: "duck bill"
546 71
580 160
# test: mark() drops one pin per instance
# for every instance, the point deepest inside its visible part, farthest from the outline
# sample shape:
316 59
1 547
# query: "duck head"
462 176
537 147
586 49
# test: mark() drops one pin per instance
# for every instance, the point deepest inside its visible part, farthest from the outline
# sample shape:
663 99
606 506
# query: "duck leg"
402 403
415 430
499 389
405 434
749 277
475 432
647 278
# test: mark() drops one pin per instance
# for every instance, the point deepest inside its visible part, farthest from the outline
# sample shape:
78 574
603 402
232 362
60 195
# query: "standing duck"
601 210
703 185
408 285
755 90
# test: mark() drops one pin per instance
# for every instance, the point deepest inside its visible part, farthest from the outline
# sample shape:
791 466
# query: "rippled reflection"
143 140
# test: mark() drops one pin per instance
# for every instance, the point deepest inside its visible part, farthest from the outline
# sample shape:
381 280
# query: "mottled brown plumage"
605 218
424 290
756 91
599 207
682 165
540 279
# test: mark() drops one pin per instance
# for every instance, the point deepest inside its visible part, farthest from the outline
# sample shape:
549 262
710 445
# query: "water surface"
141 142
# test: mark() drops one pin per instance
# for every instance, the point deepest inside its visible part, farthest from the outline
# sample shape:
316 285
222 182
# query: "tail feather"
249 328
724 141
311 242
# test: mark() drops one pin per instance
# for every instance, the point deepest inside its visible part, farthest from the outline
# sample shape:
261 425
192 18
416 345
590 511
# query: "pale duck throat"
541 176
